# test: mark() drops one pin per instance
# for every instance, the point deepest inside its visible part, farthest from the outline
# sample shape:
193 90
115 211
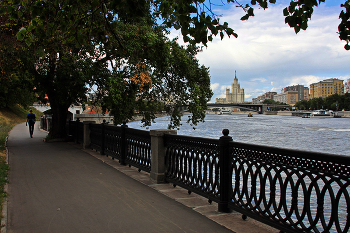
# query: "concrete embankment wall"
289 113
270 113
346 114
98 118
294 113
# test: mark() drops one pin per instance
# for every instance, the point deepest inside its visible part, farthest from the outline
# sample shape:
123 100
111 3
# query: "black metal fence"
291 190
75 129
129 146
45 122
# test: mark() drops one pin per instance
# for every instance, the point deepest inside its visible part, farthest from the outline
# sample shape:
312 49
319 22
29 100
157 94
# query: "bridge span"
260 108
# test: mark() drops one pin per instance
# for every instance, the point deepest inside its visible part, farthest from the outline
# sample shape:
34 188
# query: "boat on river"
322 113
226 112
306 115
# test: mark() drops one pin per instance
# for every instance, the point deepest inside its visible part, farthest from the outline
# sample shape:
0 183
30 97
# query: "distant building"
303 92
288 97
260 99
347 86
326 88
236 96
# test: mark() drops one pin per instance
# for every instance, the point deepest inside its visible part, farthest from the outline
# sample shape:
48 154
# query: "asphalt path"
56 187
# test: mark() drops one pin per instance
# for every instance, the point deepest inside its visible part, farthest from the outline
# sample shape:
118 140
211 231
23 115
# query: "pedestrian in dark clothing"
31 122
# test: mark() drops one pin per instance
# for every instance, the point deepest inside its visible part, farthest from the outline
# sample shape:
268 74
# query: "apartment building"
303 92
267 95
347 86
326 88
288 97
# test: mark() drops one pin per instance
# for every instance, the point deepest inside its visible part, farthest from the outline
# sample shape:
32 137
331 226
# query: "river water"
326 135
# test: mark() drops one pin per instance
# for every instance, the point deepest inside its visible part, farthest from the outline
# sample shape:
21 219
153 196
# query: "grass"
9 117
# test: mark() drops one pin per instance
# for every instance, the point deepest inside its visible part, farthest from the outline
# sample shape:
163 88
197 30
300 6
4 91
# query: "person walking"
31 122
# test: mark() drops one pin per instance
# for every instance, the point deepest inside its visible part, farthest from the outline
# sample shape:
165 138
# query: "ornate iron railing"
96 136
80 132
291 190
71 130
130 146
193 163
113 142
138 152
76 130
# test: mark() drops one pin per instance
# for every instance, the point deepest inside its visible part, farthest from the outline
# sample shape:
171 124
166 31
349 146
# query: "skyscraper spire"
235 74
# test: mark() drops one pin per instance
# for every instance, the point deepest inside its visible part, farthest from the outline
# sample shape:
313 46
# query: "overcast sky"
268 55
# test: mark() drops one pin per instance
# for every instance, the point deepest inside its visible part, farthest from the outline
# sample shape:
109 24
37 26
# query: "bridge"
260 108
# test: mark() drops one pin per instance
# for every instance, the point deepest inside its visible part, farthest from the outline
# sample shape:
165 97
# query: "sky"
268 55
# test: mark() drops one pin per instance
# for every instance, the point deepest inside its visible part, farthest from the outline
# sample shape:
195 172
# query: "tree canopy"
120 49
15 87
334 102
115 48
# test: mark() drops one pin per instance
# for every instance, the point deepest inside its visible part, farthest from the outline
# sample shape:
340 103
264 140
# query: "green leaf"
28 41
251 11
21 33
304 25
246 17
30 27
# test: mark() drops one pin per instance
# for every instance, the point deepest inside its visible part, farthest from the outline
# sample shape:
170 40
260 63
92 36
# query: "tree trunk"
59 118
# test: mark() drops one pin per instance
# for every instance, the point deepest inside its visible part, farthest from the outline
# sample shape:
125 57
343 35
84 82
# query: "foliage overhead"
115 48
15 87
120 49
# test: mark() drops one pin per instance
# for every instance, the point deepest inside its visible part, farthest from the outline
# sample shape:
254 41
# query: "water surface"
327 135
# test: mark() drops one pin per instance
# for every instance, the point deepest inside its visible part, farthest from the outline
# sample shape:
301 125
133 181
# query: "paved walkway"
59 187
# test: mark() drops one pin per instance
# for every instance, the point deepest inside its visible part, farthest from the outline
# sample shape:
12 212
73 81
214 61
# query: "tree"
269 101
334 102
104 45
16 86
302 105
113 45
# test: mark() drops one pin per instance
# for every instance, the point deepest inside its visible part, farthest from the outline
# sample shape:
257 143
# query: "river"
326 135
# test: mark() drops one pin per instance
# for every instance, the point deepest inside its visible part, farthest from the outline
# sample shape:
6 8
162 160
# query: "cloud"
268 55
214 86
262 80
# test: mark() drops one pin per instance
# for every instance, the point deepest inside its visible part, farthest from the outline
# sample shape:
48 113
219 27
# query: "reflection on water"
327 135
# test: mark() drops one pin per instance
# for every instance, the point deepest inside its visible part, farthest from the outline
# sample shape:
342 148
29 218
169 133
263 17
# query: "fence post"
158 151
77 131
123 144
225 166
103 138
86 139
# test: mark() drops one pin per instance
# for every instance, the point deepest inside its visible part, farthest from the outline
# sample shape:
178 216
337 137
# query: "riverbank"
345 114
